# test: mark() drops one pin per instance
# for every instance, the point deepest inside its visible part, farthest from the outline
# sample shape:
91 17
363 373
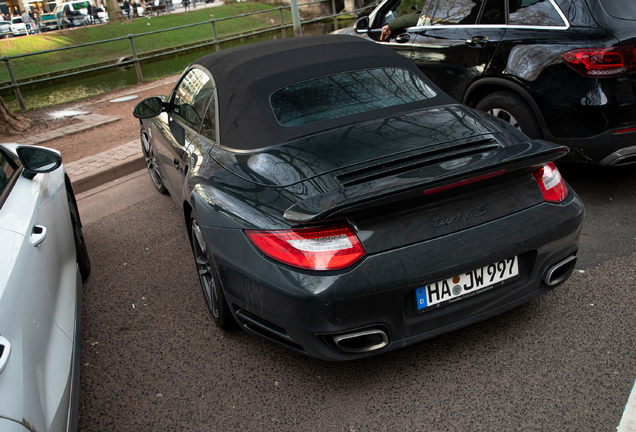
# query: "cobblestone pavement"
88 121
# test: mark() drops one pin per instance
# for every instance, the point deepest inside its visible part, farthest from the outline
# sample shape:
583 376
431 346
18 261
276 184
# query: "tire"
513 109
81 252
209 279
151 163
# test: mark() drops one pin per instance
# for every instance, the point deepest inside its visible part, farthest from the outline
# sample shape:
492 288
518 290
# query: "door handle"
5 351
175 161
477 41
403 38
38 234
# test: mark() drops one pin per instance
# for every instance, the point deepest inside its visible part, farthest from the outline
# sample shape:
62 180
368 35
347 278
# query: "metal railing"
215 41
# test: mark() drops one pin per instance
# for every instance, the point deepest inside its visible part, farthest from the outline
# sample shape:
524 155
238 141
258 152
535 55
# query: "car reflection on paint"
340 204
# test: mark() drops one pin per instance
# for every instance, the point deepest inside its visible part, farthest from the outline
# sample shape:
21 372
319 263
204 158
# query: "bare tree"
114 12
11 123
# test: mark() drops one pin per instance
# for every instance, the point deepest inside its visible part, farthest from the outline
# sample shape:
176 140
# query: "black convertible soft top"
246 77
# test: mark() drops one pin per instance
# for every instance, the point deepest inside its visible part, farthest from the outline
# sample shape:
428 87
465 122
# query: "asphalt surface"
609 195
153 360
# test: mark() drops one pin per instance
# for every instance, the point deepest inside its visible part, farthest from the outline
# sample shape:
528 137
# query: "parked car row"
70 14
16 27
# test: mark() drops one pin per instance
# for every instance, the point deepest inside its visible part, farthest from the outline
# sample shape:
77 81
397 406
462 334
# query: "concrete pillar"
350 5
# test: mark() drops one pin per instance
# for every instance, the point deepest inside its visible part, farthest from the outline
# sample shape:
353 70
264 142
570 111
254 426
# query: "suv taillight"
326 248
551 183
601 62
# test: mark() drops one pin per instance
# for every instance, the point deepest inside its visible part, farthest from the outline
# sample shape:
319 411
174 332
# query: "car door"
38 278
389 11
186 111
458 41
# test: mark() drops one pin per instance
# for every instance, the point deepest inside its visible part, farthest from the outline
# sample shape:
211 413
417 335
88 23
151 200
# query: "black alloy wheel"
81 252
210 282
151 163
513 109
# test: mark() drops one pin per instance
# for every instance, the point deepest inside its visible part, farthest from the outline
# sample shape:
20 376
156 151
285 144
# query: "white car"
72 14
102 15
43 259
19 28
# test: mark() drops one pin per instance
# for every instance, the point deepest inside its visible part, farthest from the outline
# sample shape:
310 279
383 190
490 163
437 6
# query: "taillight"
551 183
624 131
601 62
328 248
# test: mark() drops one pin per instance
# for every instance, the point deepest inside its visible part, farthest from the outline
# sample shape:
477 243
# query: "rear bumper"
608 148
49 26
303 310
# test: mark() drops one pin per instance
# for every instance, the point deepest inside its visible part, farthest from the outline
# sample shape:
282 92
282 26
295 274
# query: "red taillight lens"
329 248
601 62
551 183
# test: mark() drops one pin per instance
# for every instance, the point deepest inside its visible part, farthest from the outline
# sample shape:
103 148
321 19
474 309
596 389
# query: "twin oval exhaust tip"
560 271
362 341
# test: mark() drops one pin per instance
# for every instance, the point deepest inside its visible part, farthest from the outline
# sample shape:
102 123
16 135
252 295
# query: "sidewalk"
103 167
124 157
93 171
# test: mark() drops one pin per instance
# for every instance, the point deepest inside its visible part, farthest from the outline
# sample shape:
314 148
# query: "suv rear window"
620 9
346 94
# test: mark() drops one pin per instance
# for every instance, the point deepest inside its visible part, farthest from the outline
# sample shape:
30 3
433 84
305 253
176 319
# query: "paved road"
152 359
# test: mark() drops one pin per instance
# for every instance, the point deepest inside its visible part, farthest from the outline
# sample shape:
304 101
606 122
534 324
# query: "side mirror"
149 108
362 25
38 160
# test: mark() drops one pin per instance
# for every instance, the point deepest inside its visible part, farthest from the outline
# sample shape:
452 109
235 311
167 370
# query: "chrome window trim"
372 17
559 11
437 27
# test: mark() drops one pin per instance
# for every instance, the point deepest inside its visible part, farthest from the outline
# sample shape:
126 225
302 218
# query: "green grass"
110 51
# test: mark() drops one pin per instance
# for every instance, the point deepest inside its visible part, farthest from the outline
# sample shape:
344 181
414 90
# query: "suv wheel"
513 109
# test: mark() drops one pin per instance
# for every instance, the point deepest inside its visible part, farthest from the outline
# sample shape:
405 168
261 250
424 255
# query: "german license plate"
468 283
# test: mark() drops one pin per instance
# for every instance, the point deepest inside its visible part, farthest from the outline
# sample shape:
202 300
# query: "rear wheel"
151 164
513 109
83 260
209 279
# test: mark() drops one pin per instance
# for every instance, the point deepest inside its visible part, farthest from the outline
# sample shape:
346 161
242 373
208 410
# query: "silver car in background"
5 29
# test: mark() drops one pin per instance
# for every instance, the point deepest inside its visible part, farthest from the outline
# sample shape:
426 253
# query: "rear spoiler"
436 176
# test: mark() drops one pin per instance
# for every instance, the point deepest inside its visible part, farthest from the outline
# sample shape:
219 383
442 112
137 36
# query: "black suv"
561 70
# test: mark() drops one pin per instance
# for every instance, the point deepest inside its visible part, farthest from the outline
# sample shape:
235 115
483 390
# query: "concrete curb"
107 174
104 167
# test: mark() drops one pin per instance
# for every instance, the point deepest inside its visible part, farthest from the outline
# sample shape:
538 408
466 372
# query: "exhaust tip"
362 341
560 271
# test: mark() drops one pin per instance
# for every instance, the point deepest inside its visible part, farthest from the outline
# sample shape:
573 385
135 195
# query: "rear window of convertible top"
346 94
